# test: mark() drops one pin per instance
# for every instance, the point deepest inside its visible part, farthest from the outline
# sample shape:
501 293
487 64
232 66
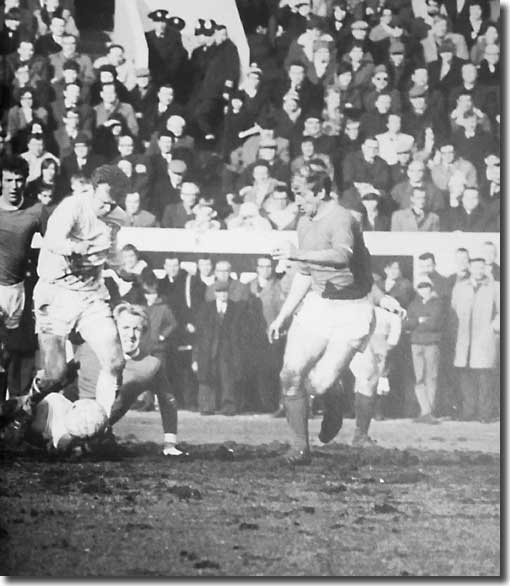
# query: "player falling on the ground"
20 219
142 372
71 294
336 318
60 425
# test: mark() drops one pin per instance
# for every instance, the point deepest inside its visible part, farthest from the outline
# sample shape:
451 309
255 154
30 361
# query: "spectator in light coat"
476 303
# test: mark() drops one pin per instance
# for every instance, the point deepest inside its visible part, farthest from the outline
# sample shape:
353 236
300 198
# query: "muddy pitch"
239 510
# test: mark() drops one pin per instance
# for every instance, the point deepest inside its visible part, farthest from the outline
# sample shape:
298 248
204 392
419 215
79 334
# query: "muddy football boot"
333 417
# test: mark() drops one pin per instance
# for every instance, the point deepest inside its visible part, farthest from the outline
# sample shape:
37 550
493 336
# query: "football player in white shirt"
71 294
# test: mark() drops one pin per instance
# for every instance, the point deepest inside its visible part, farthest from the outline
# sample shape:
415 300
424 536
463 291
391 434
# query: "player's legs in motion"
366 369
301 354
102 336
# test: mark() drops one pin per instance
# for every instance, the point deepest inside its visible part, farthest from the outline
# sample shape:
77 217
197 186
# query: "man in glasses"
71 295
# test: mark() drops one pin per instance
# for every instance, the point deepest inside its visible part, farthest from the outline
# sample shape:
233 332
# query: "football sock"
296 411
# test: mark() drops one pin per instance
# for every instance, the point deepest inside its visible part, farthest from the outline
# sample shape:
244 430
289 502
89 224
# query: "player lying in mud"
53 421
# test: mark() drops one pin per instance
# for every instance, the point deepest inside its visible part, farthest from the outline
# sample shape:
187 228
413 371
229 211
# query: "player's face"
13 186
308 202
102 200
130 329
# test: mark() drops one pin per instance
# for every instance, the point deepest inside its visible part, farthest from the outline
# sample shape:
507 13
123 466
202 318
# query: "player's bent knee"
291 383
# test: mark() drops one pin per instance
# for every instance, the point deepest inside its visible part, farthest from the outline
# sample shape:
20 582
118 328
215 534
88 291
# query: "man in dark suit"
365 166
218 354
446 72
142 97
237 291
82 161
51 43
176 215
166 52
10 36
469 216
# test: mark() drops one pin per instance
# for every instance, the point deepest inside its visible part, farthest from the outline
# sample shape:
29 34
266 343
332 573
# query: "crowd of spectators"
397 100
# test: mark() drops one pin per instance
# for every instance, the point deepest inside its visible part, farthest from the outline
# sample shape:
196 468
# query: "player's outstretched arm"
299 288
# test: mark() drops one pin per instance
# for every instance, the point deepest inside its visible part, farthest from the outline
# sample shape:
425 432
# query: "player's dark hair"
462 249
14 164
112 176
320 181
427 256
